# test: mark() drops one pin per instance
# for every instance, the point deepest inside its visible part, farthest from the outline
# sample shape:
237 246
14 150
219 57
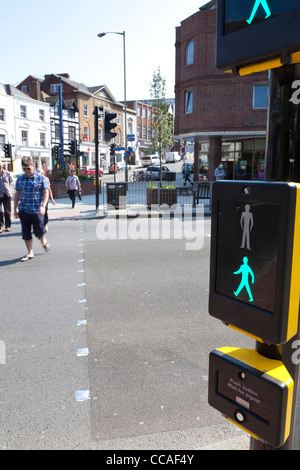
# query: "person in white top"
219 172
73 185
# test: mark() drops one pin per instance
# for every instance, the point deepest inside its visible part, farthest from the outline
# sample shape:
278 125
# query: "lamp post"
101 35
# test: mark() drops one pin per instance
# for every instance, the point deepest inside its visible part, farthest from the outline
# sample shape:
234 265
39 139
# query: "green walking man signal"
245 270
255 252
251 32
265 6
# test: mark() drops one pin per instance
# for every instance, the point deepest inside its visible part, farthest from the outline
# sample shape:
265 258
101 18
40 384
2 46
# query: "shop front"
244 159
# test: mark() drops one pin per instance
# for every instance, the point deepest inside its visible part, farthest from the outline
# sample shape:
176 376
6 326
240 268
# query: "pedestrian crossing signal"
253 31
255 252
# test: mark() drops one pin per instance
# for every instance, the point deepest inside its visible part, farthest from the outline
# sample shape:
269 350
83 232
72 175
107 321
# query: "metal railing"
144 194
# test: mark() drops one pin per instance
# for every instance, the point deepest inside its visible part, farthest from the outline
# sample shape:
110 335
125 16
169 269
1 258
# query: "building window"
71 113
149 133
57 131
42 115
42 139
188 102
189 53
24 138
24 89
54 88
23 111
260 96
86 110
86 132
71 132
2 114
139 130
2 142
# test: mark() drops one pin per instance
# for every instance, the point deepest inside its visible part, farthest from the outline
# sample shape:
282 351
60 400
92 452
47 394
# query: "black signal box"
255 253
252 31
254 393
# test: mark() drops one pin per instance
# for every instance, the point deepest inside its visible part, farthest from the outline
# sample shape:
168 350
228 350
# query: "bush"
56 176
60 176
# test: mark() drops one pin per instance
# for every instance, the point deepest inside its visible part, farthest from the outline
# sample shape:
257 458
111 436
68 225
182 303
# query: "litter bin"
170 176
116 195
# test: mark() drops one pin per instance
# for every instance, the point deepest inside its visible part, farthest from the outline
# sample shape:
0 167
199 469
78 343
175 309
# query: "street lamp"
101 35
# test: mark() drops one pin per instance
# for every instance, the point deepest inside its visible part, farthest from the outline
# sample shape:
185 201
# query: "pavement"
86 209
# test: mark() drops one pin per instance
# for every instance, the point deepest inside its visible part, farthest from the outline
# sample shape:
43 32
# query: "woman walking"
73 185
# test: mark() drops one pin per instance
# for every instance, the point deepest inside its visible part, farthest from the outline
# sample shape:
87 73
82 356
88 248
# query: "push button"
239 416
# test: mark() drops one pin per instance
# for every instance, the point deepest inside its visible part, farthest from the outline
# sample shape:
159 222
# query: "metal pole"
96 157
125 109
62 161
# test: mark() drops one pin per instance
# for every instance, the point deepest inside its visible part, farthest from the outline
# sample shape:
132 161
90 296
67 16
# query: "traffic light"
255 245
73 146
253 31
108 126
112 150
7 151
56 151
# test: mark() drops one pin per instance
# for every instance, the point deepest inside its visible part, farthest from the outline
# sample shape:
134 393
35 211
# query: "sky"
38 38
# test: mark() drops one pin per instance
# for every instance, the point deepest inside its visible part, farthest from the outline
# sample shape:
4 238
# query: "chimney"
64 75
34 90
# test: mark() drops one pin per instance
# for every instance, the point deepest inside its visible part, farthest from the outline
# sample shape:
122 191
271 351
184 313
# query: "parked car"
90 171
153 173
150 160
122 166
191 165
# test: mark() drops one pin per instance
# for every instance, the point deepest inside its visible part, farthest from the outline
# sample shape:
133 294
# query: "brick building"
224 115
86 98
143 126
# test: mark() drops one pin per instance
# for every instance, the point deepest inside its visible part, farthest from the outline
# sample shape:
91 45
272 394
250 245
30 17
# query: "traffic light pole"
96 110
283 164
62 160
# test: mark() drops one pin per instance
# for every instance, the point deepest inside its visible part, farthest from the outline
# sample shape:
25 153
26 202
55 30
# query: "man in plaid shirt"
31 197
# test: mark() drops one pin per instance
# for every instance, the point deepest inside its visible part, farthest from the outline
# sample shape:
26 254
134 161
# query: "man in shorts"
31 198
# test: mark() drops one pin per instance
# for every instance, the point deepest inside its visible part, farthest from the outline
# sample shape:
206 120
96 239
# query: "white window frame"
23 111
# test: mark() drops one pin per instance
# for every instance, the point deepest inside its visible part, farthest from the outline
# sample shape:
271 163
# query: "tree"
162 123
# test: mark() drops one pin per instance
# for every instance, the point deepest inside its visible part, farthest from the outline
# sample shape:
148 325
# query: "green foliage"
162 121
152 185
60 176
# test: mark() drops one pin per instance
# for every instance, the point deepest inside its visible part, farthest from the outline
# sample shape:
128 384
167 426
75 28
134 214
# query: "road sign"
251 31
253 392
255 252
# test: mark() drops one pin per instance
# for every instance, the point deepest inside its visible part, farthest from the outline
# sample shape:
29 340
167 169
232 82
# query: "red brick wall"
222 101
59 189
